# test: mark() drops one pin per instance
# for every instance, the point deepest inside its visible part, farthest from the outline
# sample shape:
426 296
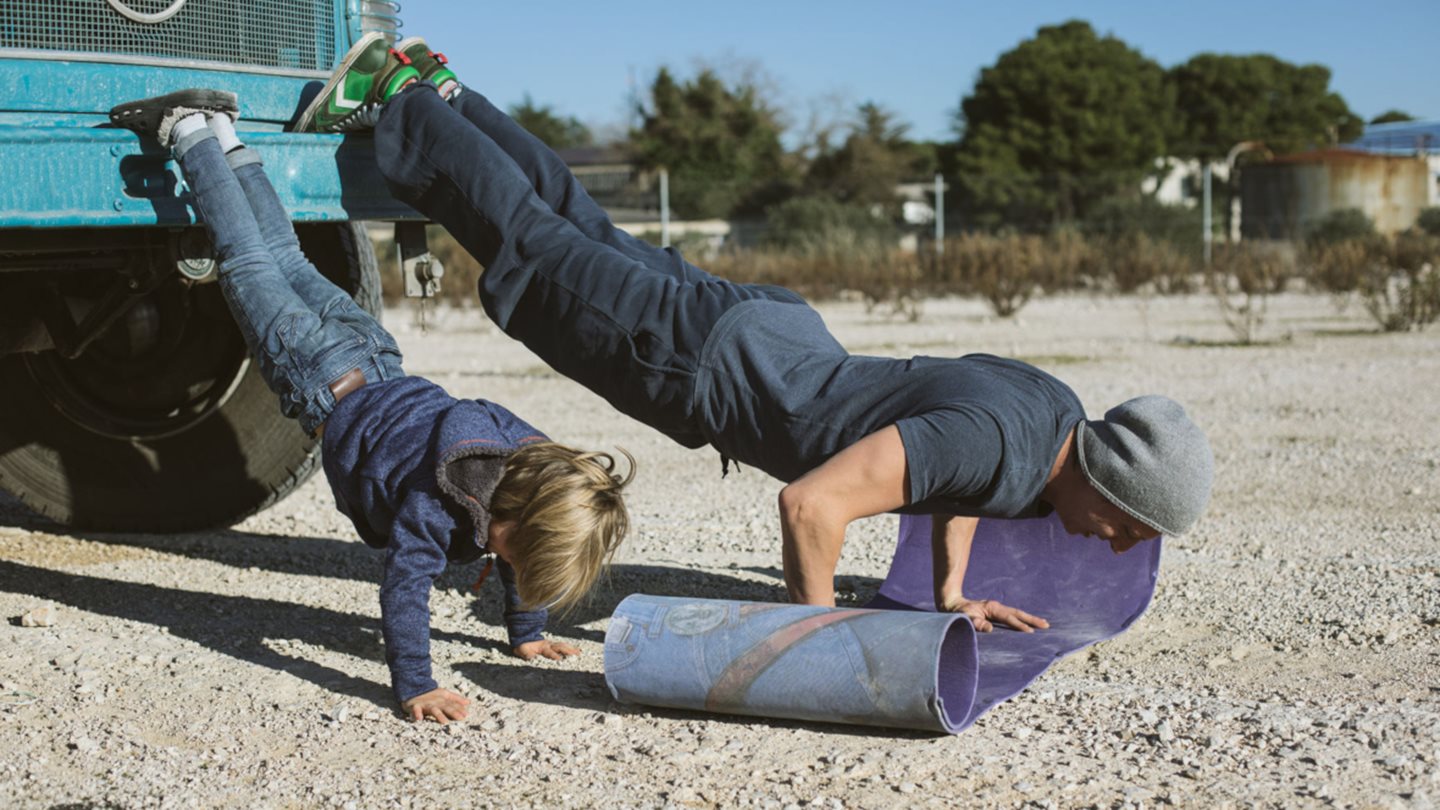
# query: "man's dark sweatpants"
621 317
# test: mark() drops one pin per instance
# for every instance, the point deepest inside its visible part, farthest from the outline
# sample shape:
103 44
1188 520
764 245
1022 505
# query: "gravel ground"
1290 656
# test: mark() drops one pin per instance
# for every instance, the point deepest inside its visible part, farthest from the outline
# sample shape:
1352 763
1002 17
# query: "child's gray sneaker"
158 115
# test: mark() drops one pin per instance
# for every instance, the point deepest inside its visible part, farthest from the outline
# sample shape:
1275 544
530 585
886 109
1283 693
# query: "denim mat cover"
896 662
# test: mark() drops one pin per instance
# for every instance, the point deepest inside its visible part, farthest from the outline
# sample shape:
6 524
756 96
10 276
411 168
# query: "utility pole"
665 208
939 214
1207 232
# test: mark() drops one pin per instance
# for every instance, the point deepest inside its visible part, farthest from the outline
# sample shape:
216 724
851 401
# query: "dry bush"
1006 270
1137 263
1241 278
1408 297
882 277
1396 279
1068 261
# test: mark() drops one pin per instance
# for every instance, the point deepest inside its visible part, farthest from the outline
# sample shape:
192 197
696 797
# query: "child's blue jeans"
304 331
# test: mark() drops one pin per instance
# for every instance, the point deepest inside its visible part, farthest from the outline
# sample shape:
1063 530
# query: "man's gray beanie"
1149 459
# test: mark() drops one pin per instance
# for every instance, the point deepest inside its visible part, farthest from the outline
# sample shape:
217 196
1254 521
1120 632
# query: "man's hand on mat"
986 613
554 650
440 705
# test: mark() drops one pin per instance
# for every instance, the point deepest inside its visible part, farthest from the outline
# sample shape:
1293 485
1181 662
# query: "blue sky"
917 58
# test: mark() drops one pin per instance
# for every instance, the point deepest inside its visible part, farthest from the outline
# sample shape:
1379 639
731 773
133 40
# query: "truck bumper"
68 176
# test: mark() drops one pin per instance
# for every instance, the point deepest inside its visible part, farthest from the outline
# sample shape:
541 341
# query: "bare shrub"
1138 263
1408 296
884 278
1068 261
1396 279
1004 270
1241 278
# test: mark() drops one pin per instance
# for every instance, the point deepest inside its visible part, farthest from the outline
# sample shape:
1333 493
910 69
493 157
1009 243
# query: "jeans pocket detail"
310 345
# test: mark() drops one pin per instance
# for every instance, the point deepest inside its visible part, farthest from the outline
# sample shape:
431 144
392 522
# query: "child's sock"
188 125
224 130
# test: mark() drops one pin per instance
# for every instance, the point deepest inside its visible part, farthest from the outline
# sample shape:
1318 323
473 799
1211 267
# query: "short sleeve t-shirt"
981 433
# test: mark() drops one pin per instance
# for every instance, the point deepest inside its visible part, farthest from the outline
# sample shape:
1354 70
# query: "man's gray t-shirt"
776 391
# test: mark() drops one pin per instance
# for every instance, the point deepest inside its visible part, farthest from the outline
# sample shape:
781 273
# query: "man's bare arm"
950 538
866 478
950 541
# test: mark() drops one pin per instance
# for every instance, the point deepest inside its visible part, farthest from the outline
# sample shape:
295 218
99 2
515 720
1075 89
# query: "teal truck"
127 401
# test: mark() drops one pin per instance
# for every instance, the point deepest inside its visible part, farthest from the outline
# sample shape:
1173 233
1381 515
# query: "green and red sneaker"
433 67
367 77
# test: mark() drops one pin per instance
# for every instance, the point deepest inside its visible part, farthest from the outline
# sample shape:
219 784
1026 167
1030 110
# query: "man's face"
1092 515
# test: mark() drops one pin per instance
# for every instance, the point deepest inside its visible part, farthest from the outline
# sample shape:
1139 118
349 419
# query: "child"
429 478
752 369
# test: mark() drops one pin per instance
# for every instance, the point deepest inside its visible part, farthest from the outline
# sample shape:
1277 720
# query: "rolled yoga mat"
896 662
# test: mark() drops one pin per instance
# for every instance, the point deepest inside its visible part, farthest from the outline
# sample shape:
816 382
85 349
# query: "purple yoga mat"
896 662
1087 593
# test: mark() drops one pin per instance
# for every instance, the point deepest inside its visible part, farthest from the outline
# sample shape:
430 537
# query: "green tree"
874 158
1224 99
813 225
558 132
1059 122
720 144
1392 117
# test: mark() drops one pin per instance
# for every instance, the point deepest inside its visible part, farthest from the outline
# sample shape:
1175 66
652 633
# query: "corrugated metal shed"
1286 197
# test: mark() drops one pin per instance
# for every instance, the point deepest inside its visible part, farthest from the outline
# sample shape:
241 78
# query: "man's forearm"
812 542
950 540
864 479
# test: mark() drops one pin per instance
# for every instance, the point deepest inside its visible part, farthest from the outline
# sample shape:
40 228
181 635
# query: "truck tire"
180 435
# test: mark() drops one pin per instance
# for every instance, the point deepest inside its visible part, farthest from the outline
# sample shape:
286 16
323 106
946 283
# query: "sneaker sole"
135 115
308 117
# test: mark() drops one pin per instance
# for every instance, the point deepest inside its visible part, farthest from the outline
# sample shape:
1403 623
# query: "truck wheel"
164 424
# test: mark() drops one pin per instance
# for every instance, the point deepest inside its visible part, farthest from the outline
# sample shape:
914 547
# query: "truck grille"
283 34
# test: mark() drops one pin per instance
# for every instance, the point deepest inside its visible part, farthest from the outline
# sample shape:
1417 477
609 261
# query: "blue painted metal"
70 176
64 166
73 93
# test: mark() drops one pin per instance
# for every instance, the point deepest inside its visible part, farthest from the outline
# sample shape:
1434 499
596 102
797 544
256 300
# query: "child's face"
498 539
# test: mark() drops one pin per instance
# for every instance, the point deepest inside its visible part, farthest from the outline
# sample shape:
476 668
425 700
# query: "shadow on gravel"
660 580
586 691
237 626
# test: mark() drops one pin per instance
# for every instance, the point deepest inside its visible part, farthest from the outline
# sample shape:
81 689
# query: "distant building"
1285 198
1391 173
611 177
1181 181
1412 138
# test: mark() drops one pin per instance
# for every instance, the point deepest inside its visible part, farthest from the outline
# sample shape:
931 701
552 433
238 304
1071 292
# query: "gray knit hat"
1149 459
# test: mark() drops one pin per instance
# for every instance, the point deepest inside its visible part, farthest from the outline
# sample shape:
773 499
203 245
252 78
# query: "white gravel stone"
42 616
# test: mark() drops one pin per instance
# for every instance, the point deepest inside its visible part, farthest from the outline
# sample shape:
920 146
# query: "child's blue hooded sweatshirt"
414 469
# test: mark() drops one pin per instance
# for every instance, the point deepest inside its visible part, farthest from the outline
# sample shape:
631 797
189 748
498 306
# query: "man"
751 369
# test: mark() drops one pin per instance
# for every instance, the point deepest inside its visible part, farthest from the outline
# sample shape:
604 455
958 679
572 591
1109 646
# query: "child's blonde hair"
569 518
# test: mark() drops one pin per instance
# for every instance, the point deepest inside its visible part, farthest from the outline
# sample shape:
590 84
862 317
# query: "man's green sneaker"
367 77
433 67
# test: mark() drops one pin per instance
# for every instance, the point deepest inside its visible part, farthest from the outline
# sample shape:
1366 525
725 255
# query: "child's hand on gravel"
440 705
554 650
